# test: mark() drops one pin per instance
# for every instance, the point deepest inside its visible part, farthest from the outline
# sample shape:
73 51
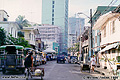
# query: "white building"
3 15
49 34
109 26
11 27
30 35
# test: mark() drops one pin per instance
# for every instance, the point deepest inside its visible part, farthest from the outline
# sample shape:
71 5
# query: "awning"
49 50
109 47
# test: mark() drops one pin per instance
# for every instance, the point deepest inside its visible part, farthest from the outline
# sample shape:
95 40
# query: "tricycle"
34 72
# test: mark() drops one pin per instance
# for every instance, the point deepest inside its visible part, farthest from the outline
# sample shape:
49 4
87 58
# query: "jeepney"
12 58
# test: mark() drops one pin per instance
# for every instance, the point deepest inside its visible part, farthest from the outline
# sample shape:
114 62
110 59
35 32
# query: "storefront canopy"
49 50
109 47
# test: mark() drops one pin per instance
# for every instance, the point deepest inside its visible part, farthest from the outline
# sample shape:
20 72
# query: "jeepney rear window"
10 50
2 51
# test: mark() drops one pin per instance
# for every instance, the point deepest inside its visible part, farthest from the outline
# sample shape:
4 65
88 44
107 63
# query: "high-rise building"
74 29
55 12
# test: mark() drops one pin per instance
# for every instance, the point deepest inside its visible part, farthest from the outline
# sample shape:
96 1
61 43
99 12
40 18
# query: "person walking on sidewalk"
93 62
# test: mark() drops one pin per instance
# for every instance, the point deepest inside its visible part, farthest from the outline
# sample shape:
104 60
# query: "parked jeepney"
38 58
12 58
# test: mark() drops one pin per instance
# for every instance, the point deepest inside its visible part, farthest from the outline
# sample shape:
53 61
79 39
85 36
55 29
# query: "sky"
31 9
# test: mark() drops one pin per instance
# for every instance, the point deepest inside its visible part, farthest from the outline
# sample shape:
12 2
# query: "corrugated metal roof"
102 10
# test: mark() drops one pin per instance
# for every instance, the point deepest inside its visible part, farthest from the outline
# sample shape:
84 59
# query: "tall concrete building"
55 12
74 29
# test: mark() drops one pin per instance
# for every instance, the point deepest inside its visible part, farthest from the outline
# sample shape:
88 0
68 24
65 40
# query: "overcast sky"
32 8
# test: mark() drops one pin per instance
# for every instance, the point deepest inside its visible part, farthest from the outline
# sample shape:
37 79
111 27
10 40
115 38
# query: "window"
100 37
52 10
95 39
52 6
52 23
53 2
113 51
12 30
52 15
30 35
15 34
105 31
113 27
52 19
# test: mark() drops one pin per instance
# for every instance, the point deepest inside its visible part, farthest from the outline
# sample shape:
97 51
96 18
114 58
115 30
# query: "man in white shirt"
93 62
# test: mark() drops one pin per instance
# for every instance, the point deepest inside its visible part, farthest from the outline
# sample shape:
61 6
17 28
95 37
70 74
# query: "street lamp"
83 14
91 42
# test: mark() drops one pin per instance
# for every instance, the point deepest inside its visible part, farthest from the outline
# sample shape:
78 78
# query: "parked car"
73 59
60 58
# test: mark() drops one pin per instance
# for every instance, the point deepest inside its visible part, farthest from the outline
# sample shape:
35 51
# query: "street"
55 71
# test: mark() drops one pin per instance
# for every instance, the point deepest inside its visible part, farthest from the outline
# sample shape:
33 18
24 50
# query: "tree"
23 42
17 41
22 21
77 46
2 36
20 34
11 40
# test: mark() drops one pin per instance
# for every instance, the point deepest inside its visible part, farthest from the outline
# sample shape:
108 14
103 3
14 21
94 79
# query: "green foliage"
20 34
17 41
2 36
22 21
118 58
77 46
23 42
11 40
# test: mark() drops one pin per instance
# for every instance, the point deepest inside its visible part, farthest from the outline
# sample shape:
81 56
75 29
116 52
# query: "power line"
108 7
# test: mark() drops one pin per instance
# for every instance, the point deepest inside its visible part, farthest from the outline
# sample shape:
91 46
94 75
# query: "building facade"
49 34
11 27
55 12
101 10
108 24
74 29
30 35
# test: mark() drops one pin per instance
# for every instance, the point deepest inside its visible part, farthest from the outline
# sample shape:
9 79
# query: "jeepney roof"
17 46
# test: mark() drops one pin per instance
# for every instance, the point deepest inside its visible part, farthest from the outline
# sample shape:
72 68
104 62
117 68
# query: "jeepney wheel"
3 71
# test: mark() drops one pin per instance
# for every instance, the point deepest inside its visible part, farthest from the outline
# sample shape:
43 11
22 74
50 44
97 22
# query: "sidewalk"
107 73
103 71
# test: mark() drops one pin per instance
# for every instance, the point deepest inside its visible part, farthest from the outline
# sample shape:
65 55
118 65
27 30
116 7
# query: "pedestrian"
93 62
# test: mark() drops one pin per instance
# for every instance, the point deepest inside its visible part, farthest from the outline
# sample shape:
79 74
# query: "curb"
99 72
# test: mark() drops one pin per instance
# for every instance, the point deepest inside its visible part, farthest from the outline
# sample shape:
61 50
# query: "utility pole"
80 42
91 39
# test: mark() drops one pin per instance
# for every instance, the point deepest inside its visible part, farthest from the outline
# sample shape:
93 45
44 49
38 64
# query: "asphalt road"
55 71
